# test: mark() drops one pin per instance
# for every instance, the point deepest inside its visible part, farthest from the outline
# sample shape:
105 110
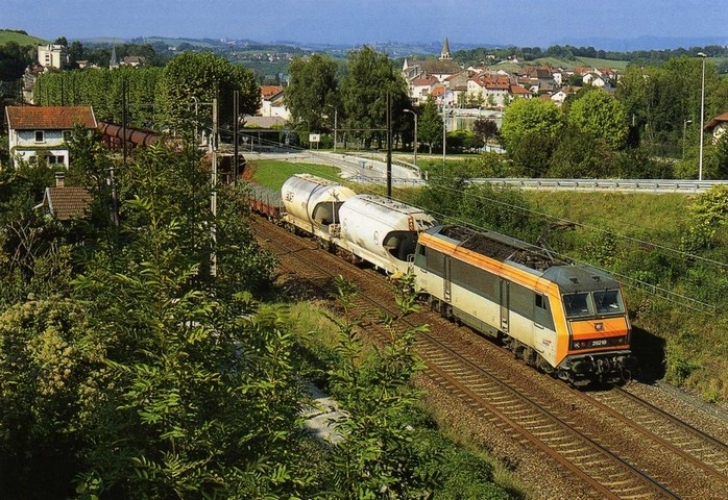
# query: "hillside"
19 37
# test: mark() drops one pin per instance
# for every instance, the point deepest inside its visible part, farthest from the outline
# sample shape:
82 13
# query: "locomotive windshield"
580 305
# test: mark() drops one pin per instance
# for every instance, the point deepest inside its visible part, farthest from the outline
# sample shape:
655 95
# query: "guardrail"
623 185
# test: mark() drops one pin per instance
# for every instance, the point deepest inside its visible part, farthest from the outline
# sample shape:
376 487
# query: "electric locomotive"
564 319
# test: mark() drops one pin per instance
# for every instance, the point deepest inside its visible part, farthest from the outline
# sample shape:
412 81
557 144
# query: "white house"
273 103
35 131
594 79
52 56
717 126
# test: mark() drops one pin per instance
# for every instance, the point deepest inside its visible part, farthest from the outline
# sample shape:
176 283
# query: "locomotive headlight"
599 327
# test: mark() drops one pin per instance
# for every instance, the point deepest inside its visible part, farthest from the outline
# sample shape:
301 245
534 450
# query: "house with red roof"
717 126
273 102
65 203
42 131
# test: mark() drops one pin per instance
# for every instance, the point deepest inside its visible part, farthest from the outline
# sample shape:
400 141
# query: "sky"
522 23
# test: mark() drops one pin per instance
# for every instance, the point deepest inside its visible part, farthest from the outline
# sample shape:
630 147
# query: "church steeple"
113 62
445 52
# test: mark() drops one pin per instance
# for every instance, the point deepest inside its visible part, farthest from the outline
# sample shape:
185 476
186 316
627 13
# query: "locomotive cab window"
576 305
608 302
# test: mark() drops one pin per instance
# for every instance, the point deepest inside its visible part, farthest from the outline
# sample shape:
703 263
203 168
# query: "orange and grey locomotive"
564 319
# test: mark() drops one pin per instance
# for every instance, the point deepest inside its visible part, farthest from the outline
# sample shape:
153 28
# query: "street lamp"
702 117
415 146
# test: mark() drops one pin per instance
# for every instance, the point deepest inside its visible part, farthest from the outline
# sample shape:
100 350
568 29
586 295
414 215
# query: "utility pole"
213 194
236 131
389 146
702 117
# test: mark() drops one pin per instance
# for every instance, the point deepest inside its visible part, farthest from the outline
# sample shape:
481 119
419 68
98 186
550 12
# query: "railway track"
615 445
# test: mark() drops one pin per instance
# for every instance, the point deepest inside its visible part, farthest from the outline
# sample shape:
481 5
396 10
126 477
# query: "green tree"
311 94
50 380
370 84
580 154
202 385
597 113
204 77
430 124
529 116
485 129
13 61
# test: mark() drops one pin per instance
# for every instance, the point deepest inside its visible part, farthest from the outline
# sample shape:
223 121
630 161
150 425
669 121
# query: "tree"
430 124
311 95
529 116
601 115
366 90
377 457
580 154
204 77
75 53
13 61
485 129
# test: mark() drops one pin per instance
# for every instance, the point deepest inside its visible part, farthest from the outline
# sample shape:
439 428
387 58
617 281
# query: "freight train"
564 319
360 227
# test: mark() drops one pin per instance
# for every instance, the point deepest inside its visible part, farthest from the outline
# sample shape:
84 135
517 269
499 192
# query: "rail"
623 185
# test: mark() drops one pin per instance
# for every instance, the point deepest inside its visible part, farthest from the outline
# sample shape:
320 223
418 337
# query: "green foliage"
527 118
599 114
367 89
51 379
500 209
311 93
679 360
377 457
710 211
204 77
533 154
578 154
14 58
430 124
485 129
103 90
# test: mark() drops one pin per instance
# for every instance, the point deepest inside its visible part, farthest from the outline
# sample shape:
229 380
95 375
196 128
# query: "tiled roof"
518 90
49 117
722 118
268 91
65 203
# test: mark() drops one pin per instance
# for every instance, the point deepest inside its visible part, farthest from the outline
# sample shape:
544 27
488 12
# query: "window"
56 160
39 136
542 312
576 305
608 302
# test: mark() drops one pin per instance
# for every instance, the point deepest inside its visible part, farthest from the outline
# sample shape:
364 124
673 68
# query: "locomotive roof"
499 247
580 278
570 278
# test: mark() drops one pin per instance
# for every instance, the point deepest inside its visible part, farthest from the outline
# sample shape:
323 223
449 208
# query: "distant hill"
19 37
